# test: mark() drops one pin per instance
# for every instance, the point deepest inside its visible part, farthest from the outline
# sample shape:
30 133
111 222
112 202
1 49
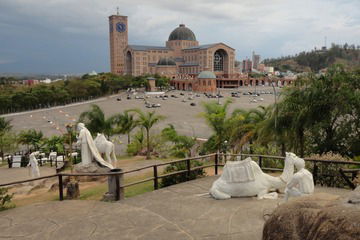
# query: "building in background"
246 66
255 60
189 65
182 53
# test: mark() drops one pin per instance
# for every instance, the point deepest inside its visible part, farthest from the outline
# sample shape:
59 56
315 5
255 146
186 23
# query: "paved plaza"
182 211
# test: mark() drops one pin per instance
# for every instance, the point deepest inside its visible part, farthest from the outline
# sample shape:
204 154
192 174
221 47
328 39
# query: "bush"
328 174
178 178
5 199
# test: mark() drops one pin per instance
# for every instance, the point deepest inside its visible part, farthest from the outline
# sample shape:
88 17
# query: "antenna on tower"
325 41
117 10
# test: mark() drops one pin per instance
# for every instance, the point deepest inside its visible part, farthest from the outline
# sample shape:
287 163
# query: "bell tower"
118 28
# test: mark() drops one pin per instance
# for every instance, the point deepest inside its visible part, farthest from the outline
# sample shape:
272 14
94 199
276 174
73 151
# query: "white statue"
246 179
105 147
33 163
302 183
89 152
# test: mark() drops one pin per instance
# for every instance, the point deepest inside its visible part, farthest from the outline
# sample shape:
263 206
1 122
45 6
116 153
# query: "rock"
320 216
72 190
90 168
354 196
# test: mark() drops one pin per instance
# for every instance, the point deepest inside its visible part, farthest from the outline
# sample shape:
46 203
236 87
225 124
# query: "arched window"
219 58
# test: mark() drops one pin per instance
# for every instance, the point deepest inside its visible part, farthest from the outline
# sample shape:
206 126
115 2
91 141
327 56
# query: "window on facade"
219 60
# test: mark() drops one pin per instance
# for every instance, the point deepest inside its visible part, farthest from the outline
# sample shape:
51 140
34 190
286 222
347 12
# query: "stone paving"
182 211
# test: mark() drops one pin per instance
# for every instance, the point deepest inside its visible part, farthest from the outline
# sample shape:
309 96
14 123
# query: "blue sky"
67 36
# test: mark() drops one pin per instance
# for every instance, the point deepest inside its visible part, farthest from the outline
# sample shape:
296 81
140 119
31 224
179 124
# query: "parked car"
192 104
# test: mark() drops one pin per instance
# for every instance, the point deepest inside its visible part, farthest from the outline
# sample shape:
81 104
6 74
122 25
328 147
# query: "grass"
96 190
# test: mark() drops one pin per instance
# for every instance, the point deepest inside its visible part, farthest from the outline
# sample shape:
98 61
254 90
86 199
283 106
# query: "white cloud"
276 27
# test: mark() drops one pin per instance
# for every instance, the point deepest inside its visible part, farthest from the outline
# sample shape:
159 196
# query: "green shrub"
5 199
178 178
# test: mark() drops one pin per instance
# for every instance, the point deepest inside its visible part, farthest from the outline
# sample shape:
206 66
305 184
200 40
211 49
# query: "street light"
275 95
69 128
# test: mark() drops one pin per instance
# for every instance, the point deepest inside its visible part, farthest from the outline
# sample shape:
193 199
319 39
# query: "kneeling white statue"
246 179
301 183
89 152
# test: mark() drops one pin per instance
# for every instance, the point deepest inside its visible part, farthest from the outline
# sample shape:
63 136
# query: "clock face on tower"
120 27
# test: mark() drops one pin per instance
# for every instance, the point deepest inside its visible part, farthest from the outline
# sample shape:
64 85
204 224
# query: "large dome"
182 33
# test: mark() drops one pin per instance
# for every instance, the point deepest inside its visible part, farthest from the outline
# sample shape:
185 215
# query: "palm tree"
216 117
31 138
96 122
125 124
245 125
147 121
5 125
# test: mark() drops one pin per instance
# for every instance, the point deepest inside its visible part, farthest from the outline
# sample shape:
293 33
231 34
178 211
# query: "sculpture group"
246 179
89 150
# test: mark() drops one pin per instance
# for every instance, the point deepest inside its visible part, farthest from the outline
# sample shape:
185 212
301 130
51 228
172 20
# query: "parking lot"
181 108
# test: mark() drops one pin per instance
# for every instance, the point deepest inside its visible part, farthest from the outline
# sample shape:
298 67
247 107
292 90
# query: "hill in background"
313 61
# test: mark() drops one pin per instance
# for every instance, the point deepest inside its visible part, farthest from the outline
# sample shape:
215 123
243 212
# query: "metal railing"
219 160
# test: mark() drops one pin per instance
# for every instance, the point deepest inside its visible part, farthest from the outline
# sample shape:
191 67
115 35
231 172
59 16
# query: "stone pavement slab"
182 211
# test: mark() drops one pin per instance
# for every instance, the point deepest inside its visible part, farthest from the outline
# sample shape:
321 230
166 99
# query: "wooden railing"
219 160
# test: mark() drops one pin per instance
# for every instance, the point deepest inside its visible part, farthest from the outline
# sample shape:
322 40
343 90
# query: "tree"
31 138
216 117
147 121
96 122
182 145
55 143
5 125
125 123
244 126
7 138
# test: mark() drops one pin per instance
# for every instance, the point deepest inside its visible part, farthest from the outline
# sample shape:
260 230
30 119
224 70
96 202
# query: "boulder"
90 168
320 216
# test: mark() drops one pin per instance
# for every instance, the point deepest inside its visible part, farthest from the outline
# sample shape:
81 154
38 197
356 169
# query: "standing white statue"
302 183
33 163
89 152
105 147
246 179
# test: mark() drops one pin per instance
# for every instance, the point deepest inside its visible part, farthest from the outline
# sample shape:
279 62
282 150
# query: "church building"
189 65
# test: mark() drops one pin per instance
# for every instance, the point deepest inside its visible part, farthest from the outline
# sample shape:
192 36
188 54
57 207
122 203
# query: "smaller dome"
207 74
166 62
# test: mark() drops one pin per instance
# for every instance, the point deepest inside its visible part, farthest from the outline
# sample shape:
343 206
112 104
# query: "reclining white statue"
89 152
246 179
302 183
105 147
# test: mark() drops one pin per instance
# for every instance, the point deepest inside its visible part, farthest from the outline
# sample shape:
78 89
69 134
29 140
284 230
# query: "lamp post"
275 95
69 128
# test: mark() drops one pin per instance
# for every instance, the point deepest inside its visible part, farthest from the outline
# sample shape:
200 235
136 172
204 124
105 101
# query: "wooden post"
156 180
260 161
188 168
350 183
117 183
315 172
216 162
61 194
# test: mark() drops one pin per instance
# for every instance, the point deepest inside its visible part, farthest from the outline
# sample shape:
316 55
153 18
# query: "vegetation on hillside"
318 114
313 61
18 97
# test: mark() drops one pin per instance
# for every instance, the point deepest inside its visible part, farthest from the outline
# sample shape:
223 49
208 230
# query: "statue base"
91 168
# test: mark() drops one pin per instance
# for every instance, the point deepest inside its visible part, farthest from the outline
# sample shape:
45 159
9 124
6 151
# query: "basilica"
189 65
